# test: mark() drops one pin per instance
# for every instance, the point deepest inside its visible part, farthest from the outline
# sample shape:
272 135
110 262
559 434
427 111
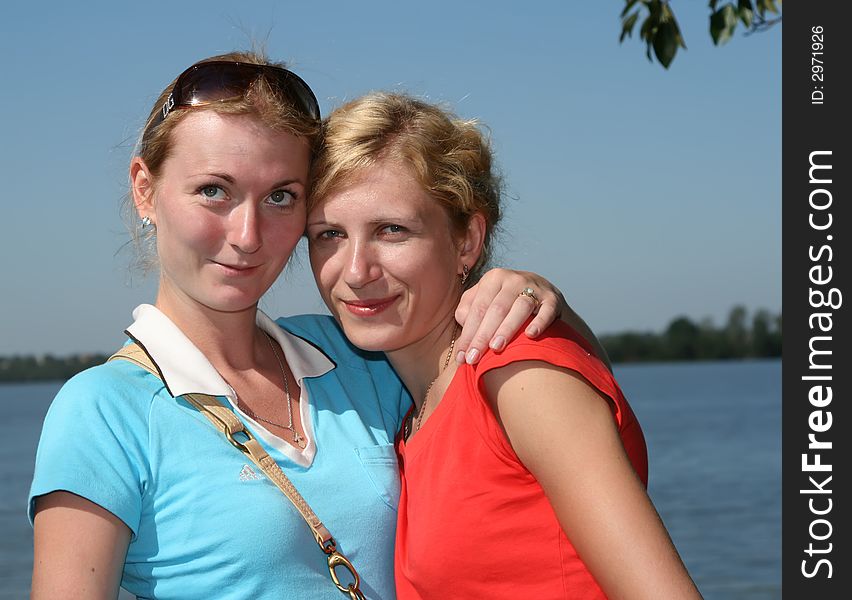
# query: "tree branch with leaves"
661 33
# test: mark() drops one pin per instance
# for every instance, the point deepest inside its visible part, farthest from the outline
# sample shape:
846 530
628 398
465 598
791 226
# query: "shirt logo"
248 474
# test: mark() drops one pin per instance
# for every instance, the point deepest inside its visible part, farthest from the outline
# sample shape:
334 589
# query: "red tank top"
473 521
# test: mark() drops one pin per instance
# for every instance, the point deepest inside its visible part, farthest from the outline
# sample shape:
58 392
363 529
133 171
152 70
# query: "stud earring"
146 222
464 275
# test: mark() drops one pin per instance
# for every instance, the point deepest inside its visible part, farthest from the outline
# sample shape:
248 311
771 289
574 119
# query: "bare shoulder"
540 405
538 386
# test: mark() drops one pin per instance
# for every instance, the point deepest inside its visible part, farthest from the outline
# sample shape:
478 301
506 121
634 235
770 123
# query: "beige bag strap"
227 422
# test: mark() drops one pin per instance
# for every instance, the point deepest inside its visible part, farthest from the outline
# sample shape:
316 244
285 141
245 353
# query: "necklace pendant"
299 439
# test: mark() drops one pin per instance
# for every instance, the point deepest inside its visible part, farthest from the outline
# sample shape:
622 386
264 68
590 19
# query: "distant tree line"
741 337
46 368
683 339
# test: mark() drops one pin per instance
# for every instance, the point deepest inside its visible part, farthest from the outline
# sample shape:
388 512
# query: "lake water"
714 443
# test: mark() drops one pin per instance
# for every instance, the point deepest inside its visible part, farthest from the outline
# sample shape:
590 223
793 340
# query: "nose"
244 228
362 266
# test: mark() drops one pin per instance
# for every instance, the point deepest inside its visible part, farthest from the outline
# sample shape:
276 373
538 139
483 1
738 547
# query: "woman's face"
229 207
385 259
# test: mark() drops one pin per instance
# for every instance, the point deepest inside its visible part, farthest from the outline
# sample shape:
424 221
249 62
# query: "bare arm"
564 433
79 549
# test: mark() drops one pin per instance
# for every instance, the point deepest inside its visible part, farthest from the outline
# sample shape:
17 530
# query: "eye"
393 229
212 192
329 234
282 198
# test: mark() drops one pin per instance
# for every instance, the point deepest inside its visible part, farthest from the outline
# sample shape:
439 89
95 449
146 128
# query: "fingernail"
460 357
472 356
498 343
532 331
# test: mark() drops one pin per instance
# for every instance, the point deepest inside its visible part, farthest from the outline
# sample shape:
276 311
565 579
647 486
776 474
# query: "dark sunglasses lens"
212 82
299 91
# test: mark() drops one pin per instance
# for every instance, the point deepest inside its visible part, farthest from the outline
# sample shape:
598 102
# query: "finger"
547 313
522 308
493 315
476 312
463 308
474 304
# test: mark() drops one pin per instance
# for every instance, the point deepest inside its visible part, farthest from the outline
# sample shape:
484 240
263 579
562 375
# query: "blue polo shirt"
205 522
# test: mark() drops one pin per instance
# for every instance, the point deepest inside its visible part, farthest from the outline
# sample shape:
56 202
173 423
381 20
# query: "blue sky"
643 193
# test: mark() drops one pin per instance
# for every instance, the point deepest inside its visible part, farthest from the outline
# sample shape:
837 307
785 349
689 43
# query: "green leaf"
628 4
646 32
722 24
746 12
666 43
668 19
627 26
766 5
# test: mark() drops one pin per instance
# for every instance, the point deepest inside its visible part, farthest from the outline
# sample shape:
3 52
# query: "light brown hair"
263 100
449 156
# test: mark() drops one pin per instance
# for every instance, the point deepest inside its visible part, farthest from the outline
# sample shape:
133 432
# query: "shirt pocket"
382 469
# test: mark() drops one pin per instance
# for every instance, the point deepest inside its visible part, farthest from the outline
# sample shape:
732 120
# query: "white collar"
186 370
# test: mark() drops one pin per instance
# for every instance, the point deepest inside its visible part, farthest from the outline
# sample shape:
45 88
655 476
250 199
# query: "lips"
369 308
236 269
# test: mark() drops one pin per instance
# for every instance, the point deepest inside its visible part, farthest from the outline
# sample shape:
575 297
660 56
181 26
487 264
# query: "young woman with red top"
524 472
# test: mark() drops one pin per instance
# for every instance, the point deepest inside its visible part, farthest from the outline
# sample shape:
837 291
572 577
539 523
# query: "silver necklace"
298 438
418 420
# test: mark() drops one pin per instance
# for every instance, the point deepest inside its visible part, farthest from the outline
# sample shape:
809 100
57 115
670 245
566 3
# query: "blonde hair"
262 100
449 156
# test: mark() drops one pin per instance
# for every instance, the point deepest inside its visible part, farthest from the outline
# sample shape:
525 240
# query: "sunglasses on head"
217 80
